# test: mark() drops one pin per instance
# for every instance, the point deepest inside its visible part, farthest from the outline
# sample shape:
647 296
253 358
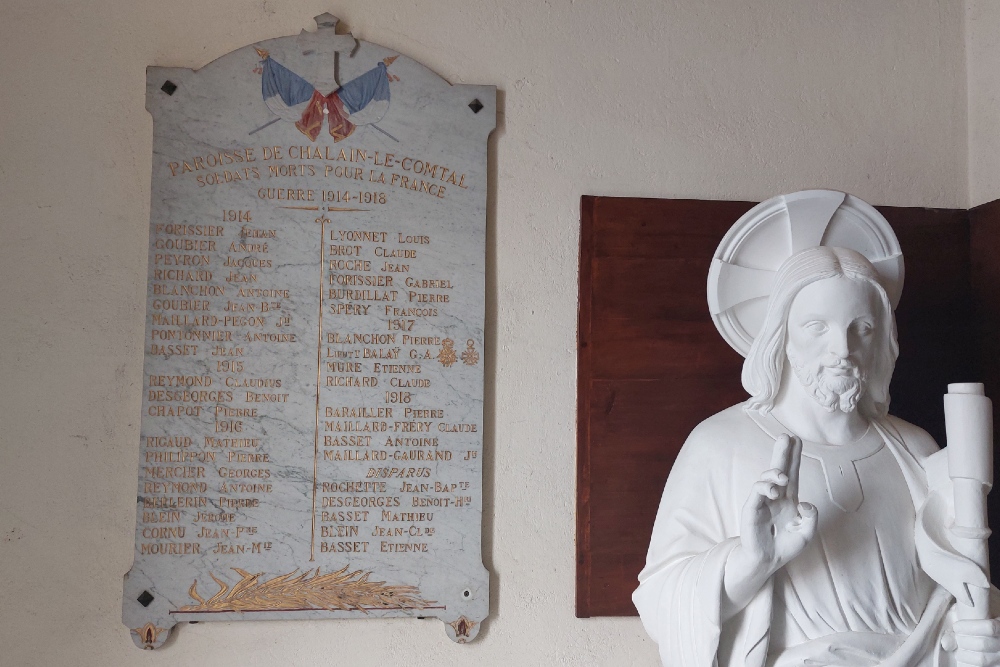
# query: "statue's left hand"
978 642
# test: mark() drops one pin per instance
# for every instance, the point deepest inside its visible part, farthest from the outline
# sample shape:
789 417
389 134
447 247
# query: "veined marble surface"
312 417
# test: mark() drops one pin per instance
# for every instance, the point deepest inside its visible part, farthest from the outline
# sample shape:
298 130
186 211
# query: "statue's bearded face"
832 327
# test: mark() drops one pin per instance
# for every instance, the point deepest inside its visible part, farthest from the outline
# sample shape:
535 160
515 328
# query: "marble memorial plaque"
312 415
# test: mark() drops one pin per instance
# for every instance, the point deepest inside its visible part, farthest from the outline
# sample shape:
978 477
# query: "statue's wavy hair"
764 366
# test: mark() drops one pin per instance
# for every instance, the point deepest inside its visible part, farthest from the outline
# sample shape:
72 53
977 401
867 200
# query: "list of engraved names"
301 343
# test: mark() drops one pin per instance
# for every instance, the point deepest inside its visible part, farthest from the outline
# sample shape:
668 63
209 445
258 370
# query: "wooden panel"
637 429
660 348
584 558
652 366
985 244
934 316
662 228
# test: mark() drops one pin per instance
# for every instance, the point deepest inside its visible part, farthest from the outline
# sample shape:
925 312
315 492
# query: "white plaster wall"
659 98
983 54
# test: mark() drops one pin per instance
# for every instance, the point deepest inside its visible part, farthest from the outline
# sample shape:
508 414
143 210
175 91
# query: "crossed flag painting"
362 101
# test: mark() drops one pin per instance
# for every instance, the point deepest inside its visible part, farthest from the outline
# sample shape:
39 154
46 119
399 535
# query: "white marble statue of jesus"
795 528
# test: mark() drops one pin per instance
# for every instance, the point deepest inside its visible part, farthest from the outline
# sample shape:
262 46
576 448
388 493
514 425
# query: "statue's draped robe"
853 597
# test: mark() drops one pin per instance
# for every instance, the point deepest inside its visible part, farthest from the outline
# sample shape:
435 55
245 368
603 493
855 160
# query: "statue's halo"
745 263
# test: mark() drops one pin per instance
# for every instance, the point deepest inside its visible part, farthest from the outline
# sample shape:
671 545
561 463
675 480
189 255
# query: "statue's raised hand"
775 527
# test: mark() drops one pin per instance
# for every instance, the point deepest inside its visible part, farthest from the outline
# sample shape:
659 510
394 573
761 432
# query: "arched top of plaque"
310 85
311 432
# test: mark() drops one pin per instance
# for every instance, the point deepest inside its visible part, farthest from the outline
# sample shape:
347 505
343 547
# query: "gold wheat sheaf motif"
336 591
